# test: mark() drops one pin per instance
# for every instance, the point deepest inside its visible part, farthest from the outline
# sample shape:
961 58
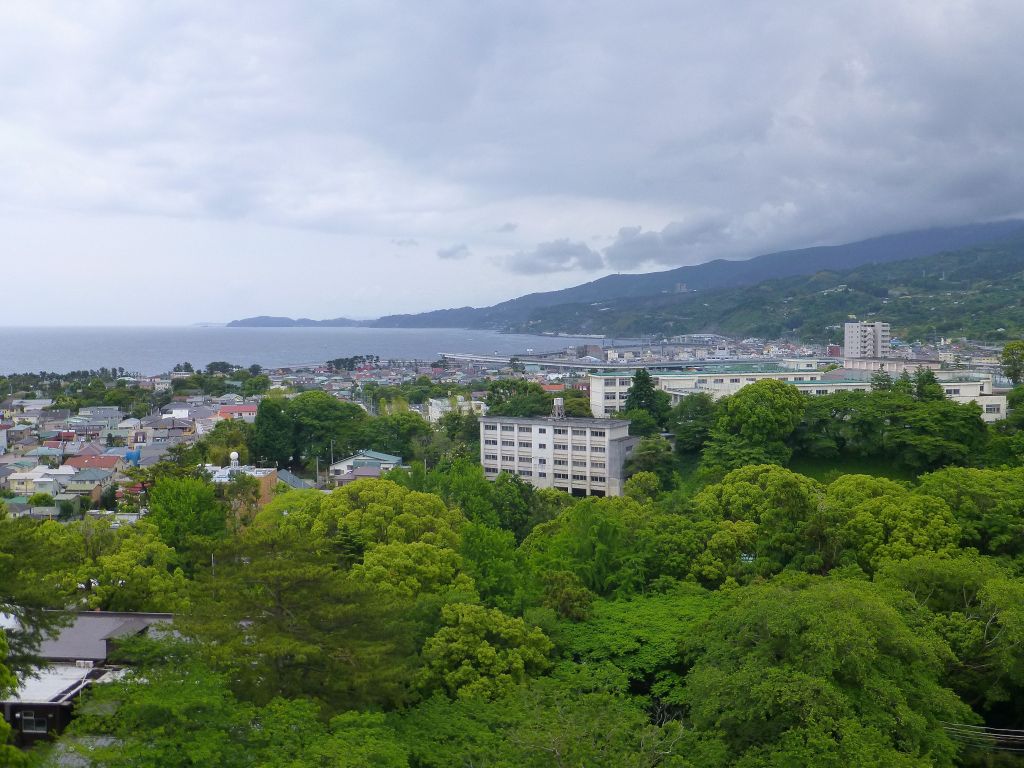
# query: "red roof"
96 462
553 387
228 409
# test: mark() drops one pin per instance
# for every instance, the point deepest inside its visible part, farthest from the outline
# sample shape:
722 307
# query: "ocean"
153 350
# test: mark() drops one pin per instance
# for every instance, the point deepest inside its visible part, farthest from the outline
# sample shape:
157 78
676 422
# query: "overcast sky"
166 163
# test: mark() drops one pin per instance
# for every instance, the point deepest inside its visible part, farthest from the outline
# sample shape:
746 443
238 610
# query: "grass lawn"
827 470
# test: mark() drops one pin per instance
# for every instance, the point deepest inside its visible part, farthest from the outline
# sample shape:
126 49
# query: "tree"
410 569
9 755
986 504
273 435
516 397
135 571
653 454
643 486
691 422
641 423
219 366
184 509
973 604
926 386
481 652
1012 360
782 505
490 558
600 540
40 499
228 436
881 381
581 716
397 434
256 384
753 426
179 712
782 677
320 419
384 512
278 612
644 396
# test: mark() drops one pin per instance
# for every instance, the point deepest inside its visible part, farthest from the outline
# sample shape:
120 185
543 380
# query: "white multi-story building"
608 390
584 457
864 339
437 407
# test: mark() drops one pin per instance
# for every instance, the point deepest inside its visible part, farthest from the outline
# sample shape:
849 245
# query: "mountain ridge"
712 275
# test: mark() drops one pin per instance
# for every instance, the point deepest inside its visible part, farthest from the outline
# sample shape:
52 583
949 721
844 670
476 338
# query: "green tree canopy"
273 436
184 508
644 396
818 672
482 652
1012 359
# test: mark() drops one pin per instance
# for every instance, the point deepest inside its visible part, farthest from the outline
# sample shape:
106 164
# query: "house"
104 461
246 413
371 472
46 454
90 483
40 479
382 461
176 410
293 481
77 656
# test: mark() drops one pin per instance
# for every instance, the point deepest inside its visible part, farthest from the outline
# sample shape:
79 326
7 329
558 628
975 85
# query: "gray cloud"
222 134
556 256
457 251
404 242
677 243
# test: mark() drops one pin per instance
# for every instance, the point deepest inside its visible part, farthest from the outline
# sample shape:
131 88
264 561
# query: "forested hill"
718 274
712 275
977 293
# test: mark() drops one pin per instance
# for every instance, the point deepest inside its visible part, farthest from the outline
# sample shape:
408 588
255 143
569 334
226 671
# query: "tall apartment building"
864 339
584 457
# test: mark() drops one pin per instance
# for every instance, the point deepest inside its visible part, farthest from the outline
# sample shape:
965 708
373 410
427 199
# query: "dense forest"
728 611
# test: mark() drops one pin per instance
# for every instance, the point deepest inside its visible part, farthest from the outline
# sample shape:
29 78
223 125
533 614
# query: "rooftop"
51 684
86 638
570 421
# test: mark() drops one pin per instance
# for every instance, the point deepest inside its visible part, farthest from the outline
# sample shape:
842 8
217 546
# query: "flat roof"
568 420
697 369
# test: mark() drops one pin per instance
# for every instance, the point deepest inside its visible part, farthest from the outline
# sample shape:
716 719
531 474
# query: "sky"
177 162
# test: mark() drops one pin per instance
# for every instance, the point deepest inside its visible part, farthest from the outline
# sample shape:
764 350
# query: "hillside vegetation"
975 293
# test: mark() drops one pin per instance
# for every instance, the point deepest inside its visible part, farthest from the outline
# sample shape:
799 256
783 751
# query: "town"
59 464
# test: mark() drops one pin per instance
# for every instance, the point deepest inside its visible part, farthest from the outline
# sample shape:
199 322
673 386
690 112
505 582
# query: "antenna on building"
558 408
